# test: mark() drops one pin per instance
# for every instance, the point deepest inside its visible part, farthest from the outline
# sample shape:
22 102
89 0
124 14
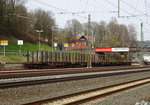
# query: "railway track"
90 95
7 74
11 83
69 69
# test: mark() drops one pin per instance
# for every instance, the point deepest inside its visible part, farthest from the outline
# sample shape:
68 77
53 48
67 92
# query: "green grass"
13 47
26 47
12 58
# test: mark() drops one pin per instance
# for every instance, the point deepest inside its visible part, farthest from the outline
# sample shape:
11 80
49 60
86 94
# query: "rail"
63 77
90 95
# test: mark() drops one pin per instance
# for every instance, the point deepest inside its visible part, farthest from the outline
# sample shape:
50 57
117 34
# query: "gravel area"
20 95
65 101
65 75
5 66
143 102
129 97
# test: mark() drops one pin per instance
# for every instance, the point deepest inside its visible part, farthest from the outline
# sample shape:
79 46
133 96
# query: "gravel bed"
64 76
4 66
129 97
143 103
21 95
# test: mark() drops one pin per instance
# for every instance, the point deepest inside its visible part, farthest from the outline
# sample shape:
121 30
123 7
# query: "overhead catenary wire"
86 5
59 9
62 11
129 14
75 13
142 13
134 8
146 10
146 6
90 12
98 6
102 5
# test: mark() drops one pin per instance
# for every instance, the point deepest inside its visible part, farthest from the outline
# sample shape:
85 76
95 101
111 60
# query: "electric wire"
133 7
102 5
93 5
59 9
136 6
90 12
86 5
146 10
76 13
129 14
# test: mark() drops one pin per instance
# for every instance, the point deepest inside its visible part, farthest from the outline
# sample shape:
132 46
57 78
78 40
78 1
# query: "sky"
131 11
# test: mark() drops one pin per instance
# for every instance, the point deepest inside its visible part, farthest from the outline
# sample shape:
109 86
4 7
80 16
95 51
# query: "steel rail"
68 69
46 72
62 79
87 96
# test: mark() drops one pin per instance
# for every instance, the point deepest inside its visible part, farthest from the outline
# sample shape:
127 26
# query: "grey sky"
99 10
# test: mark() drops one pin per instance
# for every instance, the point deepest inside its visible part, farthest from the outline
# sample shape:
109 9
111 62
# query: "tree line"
111 34
15 18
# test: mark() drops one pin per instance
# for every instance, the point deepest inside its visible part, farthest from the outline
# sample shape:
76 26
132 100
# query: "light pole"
52 39
39 31
53 30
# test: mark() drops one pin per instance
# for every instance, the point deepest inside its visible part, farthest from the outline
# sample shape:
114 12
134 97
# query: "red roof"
75 46
80 44
91 38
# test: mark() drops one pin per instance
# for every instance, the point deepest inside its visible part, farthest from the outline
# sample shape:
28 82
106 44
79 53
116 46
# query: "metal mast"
118 8
89 60
141 46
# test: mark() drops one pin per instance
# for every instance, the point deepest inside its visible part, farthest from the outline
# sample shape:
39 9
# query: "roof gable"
87 38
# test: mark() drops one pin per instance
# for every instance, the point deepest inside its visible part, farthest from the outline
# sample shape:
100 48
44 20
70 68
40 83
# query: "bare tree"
2 16
100 34
123 35
42 20
74 27
132 36
11 9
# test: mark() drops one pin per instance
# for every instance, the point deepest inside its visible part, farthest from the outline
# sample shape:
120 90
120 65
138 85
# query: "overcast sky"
99 9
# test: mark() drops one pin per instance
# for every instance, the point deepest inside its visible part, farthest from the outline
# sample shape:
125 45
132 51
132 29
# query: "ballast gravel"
64 76
128 97
143 102
27 94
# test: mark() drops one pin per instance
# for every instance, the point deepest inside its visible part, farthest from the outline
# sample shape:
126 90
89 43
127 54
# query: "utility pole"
141 47
53 29
89 60
52 39
118 8
39 31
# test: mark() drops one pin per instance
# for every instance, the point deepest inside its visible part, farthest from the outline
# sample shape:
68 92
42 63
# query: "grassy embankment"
13 47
